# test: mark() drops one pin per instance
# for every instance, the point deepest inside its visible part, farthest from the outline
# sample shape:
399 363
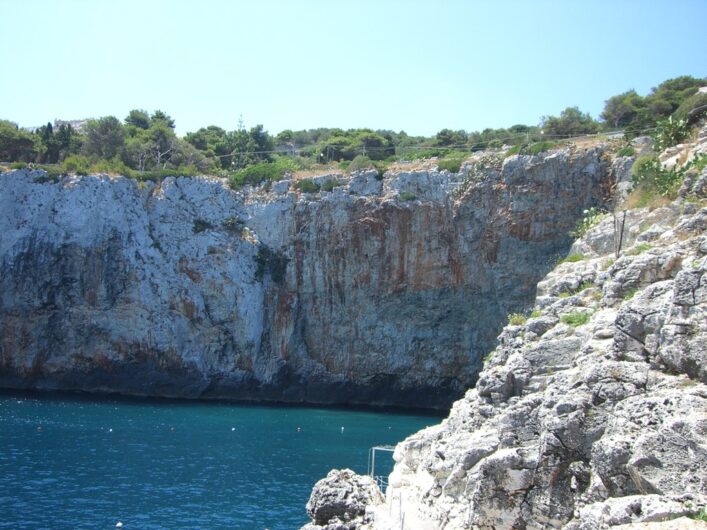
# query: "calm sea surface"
75 463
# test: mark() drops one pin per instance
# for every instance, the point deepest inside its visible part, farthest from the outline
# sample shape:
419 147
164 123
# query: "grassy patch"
452 163
700 516
638 249
407 196
573 258
584 286
532 149
535 313
630 293
575 318
517 319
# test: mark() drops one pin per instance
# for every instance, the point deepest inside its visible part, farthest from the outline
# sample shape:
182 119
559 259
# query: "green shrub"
670 132
18 165
517 319
407 196
648 173
78 164
695 101
114 166
452 163
200 225
532 149
272 262
360 162
540 147
330 184
262 172
307 186
575 318
535 313
698 163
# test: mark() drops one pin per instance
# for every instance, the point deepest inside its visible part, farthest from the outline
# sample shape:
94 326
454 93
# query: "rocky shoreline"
591 412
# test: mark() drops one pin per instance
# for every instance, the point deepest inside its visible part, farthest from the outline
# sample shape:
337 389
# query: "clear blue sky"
417 66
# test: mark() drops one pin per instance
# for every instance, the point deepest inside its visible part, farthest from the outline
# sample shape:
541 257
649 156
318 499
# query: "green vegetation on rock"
575 318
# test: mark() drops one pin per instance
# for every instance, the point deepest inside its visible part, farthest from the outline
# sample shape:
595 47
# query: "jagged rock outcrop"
593 412
341 500
354 295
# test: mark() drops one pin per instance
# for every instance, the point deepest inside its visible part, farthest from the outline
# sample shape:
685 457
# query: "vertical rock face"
592 412
356 295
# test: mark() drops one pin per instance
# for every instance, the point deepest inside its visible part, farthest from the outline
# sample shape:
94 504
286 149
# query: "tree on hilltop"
571 122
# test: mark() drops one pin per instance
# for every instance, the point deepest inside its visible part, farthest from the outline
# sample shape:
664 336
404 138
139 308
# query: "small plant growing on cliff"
532 148
307 186
573 258
591 217
271 261
626 150
200 225
407 196
517 319
535 313
452 163
670 132
233 225
650 177
630 293
639 249
575 318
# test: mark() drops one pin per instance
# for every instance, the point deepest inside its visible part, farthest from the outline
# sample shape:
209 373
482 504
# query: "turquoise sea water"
73 462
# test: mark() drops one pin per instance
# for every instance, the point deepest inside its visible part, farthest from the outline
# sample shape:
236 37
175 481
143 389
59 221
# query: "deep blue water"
75 463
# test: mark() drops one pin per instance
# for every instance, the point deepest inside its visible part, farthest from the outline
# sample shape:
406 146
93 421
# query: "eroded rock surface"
591 414
354 295
341 500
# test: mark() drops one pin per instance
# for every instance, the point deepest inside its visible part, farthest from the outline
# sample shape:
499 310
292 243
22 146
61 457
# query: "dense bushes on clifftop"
145 145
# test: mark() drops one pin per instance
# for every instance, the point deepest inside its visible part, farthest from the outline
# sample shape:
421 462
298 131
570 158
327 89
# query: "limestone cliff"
355 295
590 414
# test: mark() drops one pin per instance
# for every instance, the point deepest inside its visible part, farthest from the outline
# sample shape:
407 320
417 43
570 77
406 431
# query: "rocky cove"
590 413
386 290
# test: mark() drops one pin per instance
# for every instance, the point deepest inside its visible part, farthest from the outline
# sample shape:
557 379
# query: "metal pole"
621 235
